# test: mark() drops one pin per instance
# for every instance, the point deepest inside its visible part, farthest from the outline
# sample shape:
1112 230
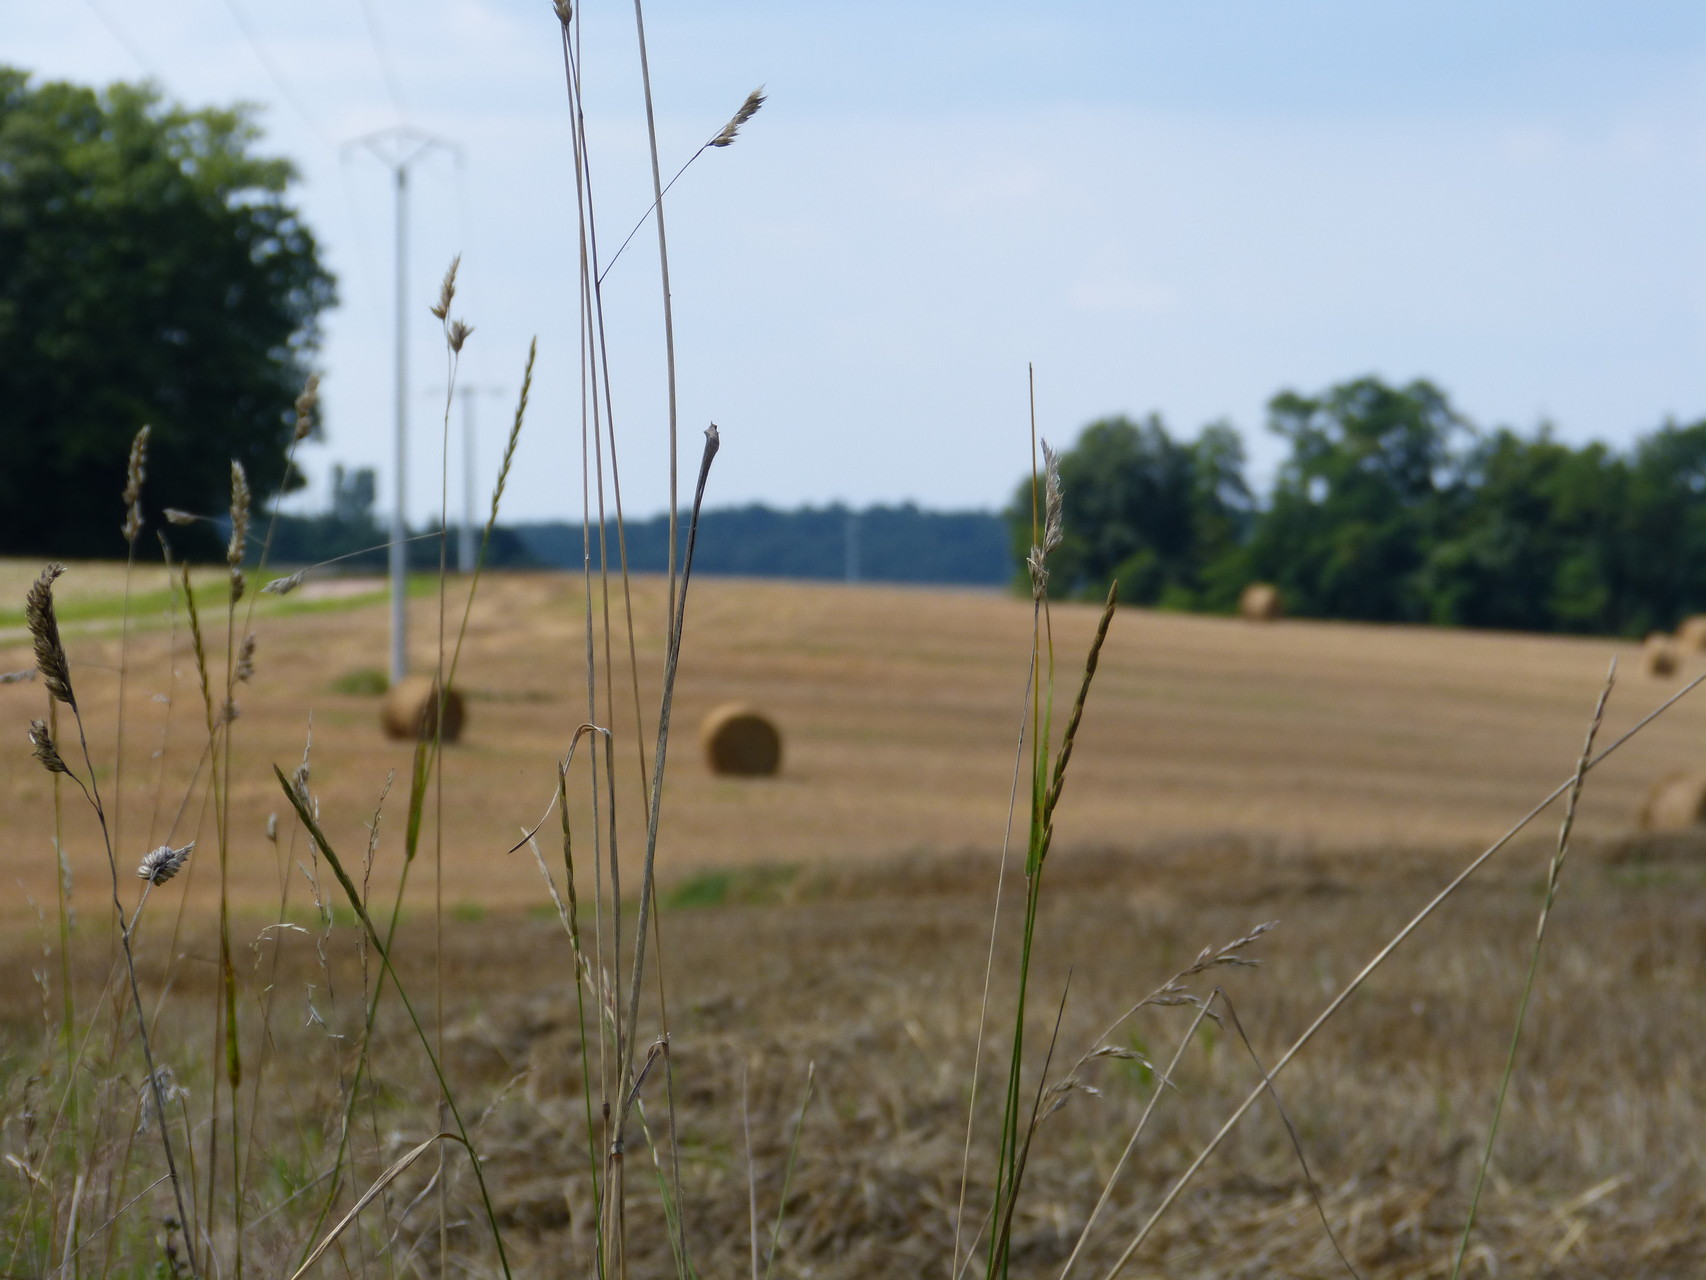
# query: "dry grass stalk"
748 109
134 475
161 864
43 624
447 290
308 408
44 748
284 586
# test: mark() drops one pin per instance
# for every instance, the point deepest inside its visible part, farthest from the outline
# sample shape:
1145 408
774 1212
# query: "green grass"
364 682
744 886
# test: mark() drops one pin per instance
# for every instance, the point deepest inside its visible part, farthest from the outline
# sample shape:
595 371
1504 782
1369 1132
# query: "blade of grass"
1553 872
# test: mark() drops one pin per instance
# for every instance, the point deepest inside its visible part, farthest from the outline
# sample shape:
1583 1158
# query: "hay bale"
1675 803
410 710
741 742
1260 602
1691 635
1659 655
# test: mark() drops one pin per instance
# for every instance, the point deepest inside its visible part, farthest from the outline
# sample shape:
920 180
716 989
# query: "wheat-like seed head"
447 290
43 748
565 11
1051 499
51 661
246 659
133 485
748 109
307 407
239 517
284 586
163 863
457 334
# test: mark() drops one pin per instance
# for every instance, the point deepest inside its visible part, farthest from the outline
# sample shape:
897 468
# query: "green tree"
1369 483
151 271
1149 510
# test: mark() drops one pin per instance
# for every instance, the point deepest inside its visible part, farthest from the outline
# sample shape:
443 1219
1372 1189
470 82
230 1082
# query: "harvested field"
835 919
900 710
873 973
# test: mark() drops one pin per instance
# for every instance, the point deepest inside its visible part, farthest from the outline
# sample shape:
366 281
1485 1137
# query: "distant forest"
1390 506
877 544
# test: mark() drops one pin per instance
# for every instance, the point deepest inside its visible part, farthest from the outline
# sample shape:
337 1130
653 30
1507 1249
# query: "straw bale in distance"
411 706
1691 635
1659 655
740 741
1676 802
1260 602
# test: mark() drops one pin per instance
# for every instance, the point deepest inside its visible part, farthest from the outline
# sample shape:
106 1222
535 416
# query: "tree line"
1390 506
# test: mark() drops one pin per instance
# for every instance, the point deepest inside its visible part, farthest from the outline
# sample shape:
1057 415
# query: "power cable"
385 69
258 48
125 41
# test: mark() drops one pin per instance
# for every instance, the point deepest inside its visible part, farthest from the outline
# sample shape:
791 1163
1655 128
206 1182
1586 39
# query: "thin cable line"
384 58
123 37
258 48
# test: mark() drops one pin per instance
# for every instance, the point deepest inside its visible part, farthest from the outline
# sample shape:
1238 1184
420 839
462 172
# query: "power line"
257 47
379 51
123 37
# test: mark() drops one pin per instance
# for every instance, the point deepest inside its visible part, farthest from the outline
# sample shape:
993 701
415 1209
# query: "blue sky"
1178 208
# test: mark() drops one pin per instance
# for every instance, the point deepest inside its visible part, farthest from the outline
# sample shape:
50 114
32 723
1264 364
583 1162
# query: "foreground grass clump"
872 974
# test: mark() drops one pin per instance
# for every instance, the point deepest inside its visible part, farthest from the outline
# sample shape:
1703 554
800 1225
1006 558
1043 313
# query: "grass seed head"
51 661
133 485
43 748
308 407
748 109
239 522
163 863
284 586
457 334
175 516
447 290
246 658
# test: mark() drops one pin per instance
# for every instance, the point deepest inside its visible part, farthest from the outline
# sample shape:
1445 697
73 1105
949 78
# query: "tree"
1149 510
1360 500
151 272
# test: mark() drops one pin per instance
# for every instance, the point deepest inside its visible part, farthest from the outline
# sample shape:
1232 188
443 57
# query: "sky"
1168 208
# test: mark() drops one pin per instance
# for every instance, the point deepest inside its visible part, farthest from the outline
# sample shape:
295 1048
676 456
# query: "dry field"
1331 777
900 711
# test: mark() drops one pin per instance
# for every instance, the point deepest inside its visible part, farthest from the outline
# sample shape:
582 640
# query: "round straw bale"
1675 803
1691 635
740 741
1659 655
1260 602
410 710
